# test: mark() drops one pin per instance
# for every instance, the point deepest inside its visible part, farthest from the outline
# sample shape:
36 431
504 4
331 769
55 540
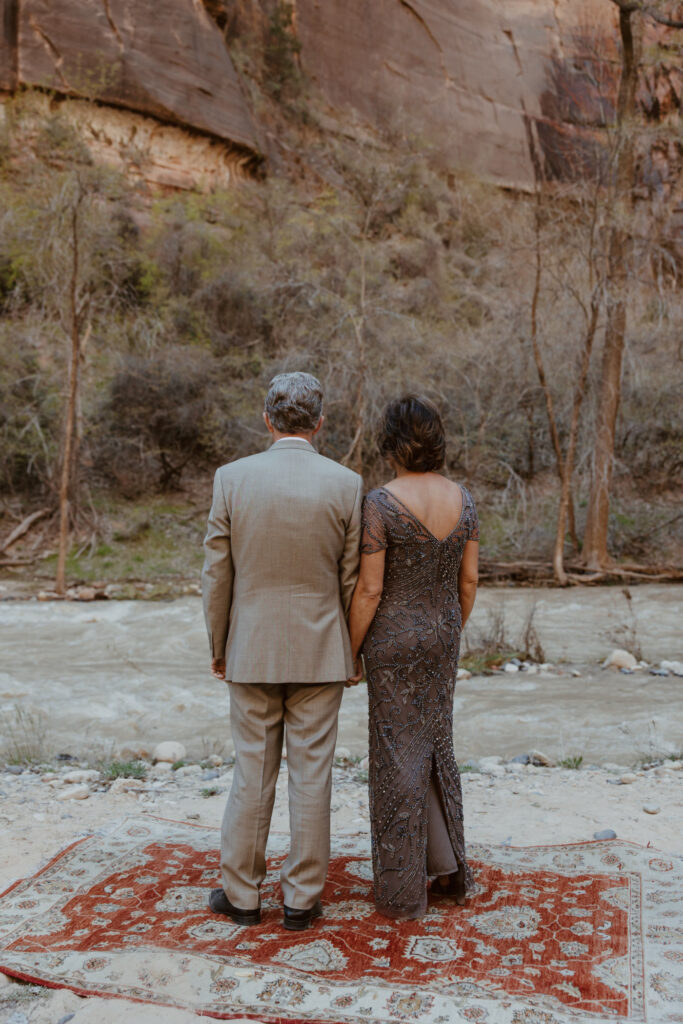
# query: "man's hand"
358 673
218 668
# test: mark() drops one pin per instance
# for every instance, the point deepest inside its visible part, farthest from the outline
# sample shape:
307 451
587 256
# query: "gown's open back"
411 655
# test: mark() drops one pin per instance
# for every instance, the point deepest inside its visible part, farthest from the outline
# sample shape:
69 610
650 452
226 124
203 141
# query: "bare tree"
78 308
619 269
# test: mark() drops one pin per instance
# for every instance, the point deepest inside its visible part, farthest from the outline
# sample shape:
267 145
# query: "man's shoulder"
239 466
343 473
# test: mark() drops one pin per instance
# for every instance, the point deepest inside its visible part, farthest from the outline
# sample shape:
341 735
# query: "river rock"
342 754
620 659
215 760
627 778
74 793
651 808
169 751
674 667
540 760
188 769
123 785
659 672
81 775
520 759
463 673
605 833
211 773
510 666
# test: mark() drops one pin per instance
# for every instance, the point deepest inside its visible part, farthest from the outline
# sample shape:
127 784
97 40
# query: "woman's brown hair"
412 434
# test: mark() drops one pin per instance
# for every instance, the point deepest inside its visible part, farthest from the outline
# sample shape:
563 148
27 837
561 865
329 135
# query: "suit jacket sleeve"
350 559
218 572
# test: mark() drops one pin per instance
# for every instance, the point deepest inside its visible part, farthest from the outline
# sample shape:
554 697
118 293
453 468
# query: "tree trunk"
565 494
595 538
72 401
540 369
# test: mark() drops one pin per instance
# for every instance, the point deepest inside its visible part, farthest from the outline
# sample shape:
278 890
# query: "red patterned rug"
588 932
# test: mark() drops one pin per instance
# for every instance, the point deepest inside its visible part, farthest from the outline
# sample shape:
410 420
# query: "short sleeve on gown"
373 537
472 519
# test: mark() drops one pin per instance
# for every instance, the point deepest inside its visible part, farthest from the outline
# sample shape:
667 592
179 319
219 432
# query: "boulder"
620 659
170 751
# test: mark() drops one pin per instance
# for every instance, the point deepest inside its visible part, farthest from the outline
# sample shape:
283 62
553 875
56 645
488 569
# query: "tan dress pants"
261 714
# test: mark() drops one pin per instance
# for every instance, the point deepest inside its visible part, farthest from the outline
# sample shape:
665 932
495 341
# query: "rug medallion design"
590 932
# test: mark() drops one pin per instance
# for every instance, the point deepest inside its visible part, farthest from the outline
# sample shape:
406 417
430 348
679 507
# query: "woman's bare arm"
366 598
468 578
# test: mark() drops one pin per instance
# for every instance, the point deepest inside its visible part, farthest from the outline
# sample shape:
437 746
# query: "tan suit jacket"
282 554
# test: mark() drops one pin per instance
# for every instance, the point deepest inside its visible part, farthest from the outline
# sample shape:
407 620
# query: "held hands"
218 668
358 672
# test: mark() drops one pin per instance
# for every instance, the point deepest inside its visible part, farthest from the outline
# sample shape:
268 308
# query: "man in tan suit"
282 553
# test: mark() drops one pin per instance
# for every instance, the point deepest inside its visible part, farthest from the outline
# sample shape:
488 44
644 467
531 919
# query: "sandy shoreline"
504 804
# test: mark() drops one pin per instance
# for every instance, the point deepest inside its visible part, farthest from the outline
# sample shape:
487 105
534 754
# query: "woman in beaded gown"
416 589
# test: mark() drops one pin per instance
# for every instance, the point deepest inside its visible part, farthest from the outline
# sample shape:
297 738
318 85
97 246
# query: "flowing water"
116 677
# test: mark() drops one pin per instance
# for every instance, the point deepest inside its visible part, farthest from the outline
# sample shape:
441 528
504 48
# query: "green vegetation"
208 791
24 732
124 770
574 762
178 764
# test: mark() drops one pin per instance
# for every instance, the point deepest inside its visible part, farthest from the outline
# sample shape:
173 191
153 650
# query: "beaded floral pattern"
411 655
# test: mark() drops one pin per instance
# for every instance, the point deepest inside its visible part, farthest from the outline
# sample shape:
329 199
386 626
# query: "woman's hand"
358 673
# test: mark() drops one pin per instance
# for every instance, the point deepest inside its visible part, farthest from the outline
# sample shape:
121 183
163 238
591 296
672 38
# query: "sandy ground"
515 804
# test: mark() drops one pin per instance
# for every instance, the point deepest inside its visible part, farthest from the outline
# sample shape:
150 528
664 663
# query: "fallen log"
542 572
23 527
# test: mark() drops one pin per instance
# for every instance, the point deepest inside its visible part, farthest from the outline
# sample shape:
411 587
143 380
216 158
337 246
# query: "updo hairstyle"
412 434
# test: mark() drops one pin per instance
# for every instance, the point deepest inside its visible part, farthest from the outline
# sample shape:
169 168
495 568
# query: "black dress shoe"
297 920
220 904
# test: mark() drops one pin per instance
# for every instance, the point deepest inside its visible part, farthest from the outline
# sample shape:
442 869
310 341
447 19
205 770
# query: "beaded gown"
411 657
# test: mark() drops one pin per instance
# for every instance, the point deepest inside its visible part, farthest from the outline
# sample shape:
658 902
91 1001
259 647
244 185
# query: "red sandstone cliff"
496 84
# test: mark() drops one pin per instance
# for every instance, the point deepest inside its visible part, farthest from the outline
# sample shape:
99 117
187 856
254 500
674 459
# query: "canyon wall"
500 87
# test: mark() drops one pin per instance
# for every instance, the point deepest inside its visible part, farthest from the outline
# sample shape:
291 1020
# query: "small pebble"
605 833
659 672
628 778
74 793
651 808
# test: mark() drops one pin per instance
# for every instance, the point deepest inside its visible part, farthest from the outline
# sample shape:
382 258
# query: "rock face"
474 76
501 88
170 63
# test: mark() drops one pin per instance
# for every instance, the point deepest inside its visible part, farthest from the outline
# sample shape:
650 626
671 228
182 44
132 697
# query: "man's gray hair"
294 402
